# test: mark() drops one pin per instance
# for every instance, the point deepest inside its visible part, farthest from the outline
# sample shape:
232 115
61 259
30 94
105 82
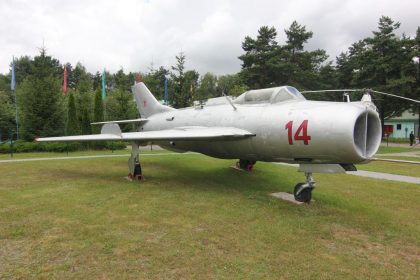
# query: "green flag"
103 85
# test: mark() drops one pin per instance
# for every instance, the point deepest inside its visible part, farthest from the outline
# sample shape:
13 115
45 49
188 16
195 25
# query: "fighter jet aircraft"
272 125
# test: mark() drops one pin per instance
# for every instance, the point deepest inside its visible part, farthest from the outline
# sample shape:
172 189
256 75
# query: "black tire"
305 195
245 164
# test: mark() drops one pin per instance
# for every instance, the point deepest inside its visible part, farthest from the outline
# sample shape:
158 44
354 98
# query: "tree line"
384 61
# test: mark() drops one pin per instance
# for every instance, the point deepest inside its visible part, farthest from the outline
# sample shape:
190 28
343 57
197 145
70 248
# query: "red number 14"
301 132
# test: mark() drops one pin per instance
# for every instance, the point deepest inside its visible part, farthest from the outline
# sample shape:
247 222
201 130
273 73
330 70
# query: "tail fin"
146 102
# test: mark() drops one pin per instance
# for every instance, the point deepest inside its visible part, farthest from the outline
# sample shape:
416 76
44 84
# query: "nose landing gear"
303 191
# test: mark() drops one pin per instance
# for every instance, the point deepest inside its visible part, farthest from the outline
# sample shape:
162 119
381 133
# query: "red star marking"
145 103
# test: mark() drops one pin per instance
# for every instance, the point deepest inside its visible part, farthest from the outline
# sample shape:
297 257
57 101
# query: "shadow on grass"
196 173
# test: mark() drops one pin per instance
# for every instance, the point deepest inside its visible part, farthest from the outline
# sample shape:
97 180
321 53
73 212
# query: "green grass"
51 154
392 167
193 217
78 153
392 150
398 140
400 158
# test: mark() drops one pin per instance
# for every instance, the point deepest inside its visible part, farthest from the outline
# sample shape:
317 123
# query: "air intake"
367 134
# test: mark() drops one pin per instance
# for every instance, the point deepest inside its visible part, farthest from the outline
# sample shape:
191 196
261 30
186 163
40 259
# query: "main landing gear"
246 165
134 163
303 191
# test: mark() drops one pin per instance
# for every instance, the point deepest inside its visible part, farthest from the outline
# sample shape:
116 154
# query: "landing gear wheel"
246 165
134 165
303 193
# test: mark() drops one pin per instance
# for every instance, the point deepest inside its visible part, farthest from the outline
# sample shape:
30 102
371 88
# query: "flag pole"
12 87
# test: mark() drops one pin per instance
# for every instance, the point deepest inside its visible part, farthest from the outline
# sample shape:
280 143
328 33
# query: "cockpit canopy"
269 95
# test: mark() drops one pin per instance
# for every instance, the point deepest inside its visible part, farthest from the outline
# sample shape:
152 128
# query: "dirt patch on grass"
13 254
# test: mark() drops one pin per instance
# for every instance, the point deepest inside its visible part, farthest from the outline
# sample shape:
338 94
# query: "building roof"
405 116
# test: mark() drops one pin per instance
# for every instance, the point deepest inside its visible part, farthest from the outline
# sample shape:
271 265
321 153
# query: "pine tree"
40 99
297 36
298 67
180 96
85 121
122 81
155 81
120 106
98 110
72 127
416 92
267 64
380 62
7 116
257 68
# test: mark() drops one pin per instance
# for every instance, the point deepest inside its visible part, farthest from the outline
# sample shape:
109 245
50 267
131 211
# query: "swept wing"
112 132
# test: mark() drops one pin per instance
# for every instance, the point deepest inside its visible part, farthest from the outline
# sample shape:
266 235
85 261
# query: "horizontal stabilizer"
111 128
181 133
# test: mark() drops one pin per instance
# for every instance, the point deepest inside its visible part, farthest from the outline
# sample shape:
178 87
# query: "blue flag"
12 82
165 96
103 85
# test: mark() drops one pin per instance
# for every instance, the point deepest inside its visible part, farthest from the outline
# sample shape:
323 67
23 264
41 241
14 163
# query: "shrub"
60 147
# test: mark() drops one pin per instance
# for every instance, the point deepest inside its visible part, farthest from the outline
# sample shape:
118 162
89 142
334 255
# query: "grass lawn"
193 217
400 157
392 150
50 154
393 167
127 152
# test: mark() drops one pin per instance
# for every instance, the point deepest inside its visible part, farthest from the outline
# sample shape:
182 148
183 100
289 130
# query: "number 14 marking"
301 132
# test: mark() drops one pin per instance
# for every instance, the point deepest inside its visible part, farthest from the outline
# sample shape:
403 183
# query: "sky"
139 34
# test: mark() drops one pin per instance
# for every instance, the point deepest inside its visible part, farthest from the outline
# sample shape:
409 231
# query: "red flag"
65 80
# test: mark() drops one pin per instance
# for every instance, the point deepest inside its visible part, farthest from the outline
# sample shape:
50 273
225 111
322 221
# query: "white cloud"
133 33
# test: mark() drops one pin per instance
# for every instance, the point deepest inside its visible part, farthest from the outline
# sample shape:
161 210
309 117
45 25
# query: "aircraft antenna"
362 90
393 95
230 101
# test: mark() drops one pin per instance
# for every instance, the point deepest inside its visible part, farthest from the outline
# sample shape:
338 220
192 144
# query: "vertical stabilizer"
146 102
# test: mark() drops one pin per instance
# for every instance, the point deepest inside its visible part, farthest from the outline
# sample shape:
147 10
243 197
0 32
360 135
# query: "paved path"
404 145
375 175
403 154
385 176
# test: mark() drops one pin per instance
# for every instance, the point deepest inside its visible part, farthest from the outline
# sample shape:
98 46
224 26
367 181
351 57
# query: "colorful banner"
12 82
103 85
165 94
65 80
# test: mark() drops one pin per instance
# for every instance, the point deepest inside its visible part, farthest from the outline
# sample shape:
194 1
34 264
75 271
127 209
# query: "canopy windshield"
269 95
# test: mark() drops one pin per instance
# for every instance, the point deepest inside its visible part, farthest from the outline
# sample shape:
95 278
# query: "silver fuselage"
339 132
